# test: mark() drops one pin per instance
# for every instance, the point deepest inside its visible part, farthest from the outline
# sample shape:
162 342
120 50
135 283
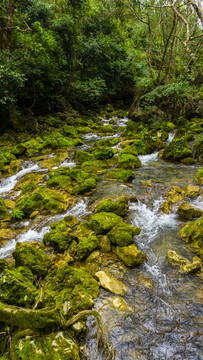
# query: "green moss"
193 234
85 187
16 287
119 207
129 150
71 131
29 204
120 175
177 150
103 222
34 259
57 346
104 153
129 161
4 214
199 176
3 265
59 236
130 255
81 156
122 234
87 245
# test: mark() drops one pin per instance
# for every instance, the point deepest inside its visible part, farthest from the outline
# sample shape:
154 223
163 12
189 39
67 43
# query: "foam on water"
149 158
9 183
170 137
198 203
150 220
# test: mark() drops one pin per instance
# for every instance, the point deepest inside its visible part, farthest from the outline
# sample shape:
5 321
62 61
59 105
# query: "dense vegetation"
87 53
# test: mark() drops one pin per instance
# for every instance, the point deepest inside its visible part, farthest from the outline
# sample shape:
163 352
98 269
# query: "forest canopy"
87 53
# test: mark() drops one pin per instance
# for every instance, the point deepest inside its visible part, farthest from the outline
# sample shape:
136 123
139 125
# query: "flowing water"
162 318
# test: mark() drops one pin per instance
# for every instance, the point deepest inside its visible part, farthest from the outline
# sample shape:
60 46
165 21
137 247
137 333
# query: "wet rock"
199 176
120 175
193 234
147 182
99 260
35 260
103 153
130 255
103 222
122 234
175 259
118 207
14 167
177 150
81 156
119 304
16 287
175 195
188 212
128 161
56 346
87 245
59 236
9 204
192 267
4 214
85 187
110 283
193 191
104 243
55 161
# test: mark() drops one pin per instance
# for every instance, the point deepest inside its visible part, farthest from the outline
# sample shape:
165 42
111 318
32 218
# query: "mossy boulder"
35 260
4 214
130 255
85 187
71 131
19 150
176 259
120 175
86 246
14 166
184 265
177 150
193 191
122 234
29 183
59 236
103 153
118 207
193 234
128 161
188 212
57 346
192 267
81 156
175 195
16 287
103 222
129 150
73 289
110 283
199 176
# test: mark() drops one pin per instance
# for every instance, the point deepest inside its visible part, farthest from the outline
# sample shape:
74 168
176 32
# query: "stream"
162 317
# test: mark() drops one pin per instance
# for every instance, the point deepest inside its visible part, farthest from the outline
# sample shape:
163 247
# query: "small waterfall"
149 158
170 137
9 183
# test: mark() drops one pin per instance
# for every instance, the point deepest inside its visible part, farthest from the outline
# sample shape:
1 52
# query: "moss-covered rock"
71 131
199 176
176 259
110 283
122 234
103 153
129 161
16 287
103 222
129 150
59 236
130 255
188 212
175 195
35 260
14 167
120 175
81 156
72 289
177 150
193 234
192 267
4 214
57 346
85 187
119 207
193 191
87 245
